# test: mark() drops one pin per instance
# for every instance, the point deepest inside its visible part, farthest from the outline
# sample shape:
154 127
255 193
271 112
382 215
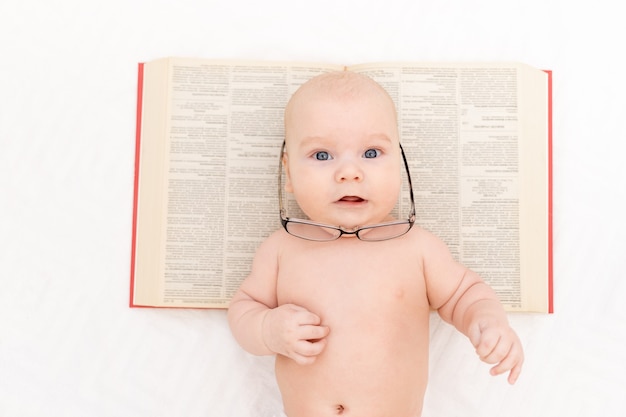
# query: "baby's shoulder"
274 242
427 243
421 235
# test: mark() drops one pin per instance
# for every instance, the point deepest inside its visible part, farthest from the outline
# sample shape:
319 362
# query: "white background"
69 344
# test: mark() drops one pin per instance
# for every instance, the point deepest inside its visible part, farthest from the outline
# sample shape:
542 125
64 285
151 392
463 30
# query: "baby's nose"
349 171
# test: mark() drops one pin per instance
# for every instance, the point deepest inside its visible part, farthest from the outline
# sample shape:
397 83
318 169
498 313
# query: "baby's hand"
295 332
497 343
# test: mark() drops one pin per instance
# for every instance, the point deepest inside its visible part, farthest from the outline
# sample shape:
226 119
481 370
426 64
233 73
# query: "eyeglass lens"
321 233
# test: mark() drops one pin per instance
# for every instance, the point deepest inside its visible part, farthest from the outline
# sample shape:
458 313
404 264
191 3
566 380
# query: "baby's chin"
354 223
372 222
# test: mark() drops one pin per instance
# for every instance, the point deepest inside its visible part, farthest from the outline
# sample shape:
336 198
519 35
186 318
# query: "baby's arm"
463 299
262 327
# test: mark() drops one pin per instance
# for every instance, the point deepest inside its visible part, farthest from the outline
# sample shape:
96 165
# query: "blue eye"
322 156
371 153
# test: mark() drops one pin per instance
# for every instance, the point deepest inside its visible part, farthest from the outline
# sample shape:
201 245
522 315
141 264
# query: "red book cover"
136 181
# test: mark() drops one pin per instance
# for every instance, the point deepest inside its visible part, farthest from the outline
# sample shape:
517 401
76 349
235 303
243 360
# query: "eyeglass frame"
284 220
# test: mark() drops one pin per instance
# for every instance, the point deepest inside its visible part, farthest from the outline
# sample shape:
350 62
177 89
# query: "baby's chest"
349 277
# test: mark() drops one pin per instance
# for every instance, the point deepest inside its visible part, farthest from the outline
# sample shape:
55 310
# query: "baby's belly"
370 368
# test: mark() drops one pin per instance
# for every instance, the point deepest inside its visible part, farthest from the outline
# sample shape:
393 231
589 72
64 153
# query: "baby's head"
342 153
339 85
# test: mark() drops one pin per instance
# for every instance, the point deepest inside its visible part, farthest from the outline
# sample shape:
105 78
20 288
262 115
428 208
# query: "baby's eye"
371 153
322 156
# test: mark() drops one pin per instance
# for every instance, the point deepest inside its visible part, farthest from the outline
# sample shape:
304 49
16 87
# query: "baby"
343 298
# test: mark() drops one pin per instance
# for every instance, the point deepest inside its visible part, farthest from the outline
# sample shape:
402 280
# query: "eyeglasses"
319 232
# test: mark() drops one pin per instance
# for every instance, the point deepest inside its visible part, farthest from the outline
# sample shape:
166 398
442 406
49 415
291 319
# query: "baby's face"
343 159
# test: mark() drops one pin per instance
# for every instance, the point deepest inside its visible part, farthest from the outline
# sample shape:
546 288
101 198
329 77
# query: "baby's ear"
288 185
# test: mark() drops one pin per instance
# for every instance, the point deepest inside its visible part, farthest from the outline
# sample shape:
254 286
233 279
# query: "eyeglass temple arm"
280 181
408 175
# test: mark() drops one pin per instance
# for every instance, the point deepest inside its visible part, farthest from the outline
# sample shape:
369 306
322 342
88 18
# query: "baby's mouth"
351 199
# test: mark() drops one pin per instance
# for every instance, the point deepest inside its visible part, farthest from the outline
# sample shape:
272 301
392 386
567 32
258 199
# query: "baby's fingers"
515 373
516 370
306 351
490 349
309 344
494 352
513 361
313 333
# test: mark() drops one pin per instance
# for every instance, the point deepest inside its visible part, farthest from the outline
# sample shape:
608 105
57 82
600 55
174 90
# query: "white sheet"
70 346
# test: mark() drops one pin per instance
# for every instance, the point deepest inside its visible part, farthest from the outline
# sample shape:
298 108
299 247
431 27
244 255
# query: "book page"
476 137
220 157
150 191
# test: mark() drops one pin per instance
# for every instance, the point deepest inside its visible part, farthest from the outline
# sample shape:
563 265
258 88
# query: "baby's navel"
340 409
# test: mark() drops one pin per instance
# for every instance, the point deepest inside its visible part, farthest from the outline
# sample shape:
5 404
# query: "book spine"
136 180
550 223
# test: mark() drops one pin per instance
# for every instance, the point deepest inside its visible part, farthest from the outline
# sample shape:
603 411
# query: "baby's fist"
498 344
295 332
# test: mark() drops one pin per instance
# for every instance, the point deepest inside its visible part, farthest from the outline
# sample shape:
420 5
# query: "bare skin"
348 319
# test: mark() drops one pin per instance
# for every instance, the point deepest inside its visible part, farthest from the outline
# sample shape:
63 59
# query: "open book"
477 137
